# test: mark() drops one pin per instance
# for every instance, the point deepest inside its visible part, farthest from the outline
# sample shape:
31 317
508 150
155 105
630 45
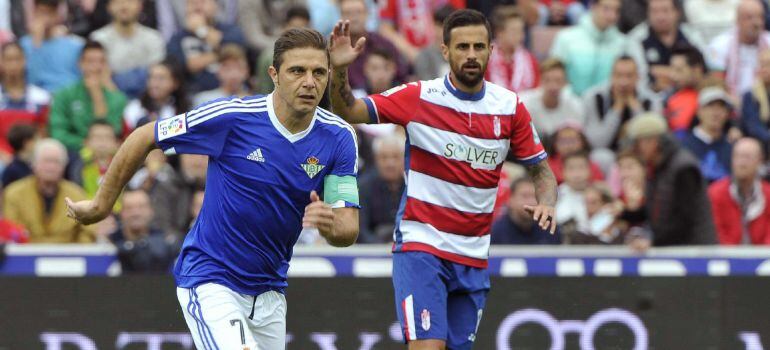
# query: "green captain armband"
341 191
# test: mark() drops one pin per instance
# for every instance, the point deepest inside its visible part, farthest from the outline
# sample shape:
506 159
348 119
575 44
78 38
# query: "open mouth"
472 68
307 98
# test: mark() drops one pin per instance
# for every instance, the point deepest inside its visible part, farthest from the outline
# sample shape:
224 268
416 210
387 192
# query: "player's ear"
273 74
445 52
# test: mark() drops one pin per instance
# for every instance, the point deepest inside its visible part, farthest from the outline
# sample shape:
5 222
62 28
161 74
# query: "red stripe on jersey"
448 220
450 170
482 126
455 258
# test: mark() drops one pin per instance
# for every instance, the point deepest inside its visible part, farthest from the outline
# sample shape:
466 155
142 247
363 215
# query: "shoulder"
102 33
38 95
148 32
20 188
502 100
339 127
721 187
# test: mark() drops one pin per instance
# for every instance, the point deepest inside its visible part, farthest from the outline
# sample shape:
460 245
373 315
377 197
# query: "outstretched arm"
127 161
545 190
343 54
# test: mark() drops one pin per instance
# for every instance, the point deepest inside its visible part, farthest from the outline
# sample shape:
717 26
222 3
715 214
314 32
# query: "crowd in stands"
655 113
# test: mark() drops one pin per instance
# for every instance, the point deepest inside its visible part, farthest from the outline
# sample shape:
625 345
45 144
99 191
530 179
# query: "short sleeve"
346 162
394 106
525 142
200 131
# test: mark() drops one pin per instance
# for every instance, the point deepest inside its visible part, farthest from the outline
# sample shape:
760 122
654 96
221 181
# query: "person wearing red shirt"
688 69
408 24
511 65
740 202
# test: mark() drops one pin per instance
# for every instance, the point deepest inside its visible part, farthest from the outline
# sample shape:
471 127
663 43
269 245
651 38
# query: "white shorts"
221 319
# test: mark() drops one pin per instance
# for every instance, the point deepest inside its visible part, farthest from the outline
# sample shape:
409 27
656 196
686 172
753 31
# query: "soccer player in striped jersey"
269 158
459 130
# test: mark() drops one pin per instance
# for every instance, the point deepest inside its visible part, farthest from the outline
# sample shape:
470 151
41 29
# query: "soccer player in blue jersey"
269 157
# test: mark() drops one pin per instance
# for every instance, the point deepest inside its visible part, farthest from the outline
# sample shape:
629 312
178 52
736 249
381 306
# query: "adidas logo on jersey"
256 156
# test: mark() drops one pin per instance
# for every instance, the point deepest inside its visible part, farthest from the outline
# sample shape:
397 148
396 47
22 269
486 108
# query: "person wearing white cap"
708 140
677 206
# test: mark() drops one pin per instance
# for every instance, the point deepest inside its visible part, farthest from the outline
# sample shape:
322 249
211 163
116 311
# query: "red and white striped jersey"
456 145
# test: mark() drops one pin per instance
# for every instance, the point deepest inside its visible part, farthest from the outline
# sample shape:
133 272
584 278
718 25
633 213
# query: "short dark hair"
443 12
502 14
465 18
91 45
521 180
105 123
298 38
624 58
297 11
387 55
50 3
692 56
19 134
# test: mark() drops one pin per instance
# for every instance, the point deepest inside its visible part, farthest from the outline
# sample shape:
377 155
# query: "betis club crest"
311 167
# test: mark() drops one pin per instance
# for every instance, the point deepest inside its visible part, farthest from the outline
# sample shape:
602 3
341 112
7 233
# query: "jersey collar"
282 129
462 94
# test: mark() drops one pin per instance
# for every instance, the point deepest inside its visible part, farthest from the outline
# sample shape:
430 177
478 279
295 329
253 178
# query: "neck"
47 189
132 234
14 83
232 89
550 101
745 186
747 39
715 133
125 29
667 36
507 50
520 220
464 88
291 119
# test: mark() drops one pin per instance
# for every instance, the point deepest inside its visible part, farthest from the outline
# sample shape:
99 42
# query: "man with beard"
459 129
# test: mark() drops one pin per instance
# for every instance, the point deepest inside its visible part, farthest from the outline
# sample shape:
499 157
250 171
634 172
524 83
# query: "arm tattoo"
545 183
342 88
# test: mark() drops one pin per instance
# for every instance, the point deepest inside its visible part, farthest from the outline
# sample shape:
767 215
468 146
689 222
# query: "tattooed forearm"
341 94
545 183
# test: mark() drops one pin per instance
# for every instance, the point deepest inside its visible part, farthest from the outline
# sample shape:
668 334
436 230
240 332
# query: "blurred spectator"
232 75
736 52
710 17
553 102
568 139
430 63
261 21
560 12
141 248
296 17
95 97
602 226
171 14
198 43
324 14
381 188
676 201
610 106
355 11
755 113
20 102
663 31
517 226
628 183
379 72
591 47
740 203
688 70
171 191
163 98
37 201
22 138
99 147
52 57
131 47
408 24
708 139
571 212
511 65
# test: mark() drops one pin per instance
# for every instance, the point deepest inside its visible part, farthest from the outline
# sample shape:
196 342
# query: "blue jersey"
258 183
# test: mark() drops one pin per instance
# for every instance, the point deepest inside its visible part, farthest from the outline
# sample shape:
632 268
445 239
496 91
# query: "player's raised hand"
341 50
319 215
544 215
86 212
